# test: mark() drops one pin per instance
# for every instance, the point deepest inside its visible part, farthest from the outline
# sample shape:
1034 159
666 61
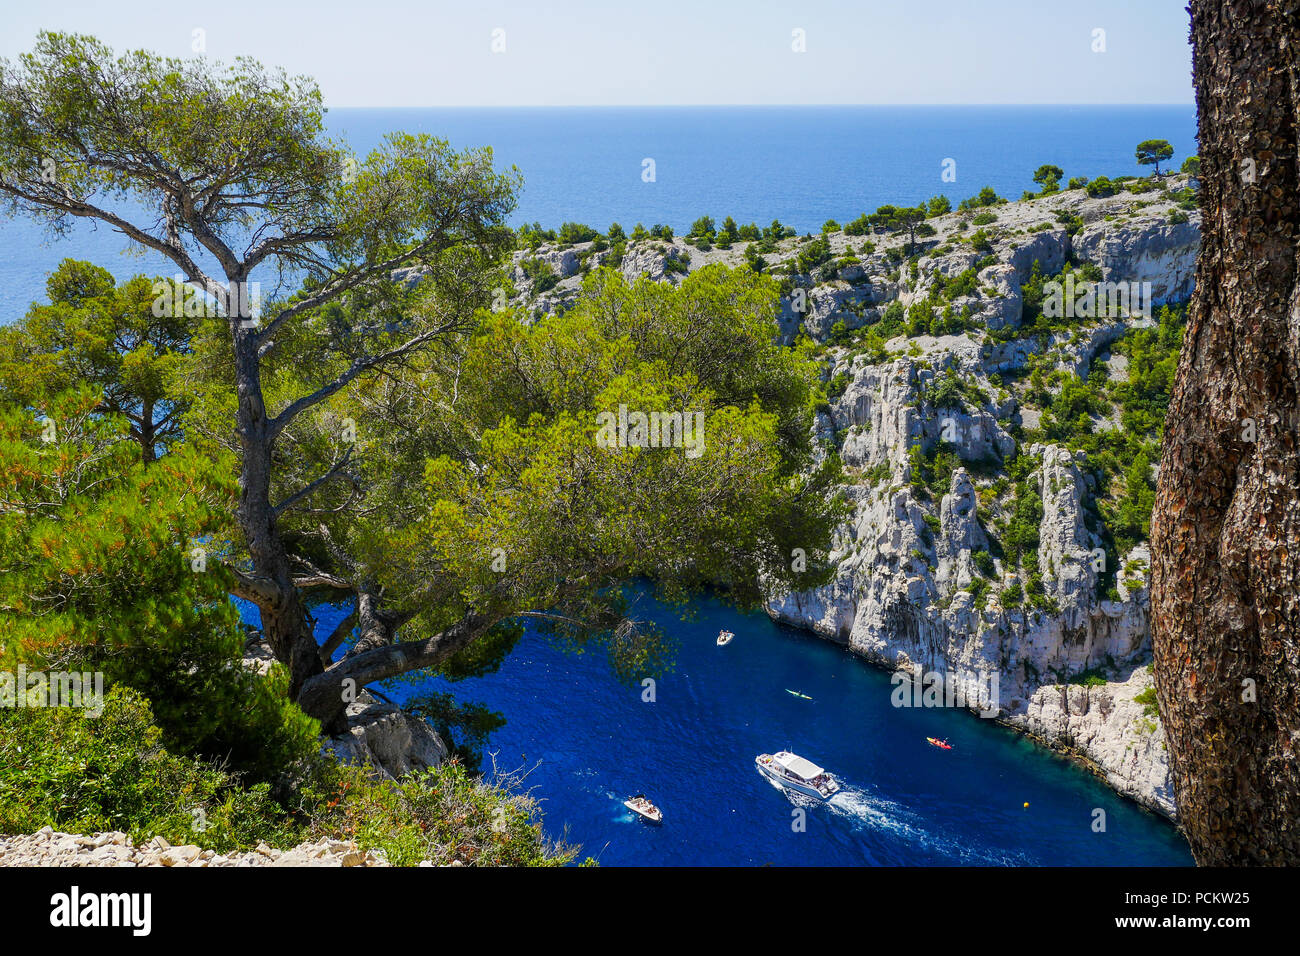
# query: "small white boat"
643 808
724 638
794 772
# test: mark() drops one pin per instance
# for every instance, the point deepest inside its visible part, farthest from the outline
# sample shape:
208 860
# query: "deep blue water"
589 742
802 165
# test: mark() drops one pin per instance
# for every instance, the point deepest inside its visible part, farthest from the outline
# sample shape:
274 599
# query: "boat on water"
643 808
794 772
797 694
941 744
724 638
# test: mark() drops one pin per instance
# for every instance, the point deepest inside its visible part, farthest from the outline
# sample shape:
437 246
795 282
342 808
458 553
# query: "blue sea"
587 741
802 165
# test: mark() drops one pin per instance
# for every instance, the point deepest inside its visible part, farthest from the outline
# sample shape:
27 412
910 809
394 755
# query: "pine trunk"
284 616
1225 538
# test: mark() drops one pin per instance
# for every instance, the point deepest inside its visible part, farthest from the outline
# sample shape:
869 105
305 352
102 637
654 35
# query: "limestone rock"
390 741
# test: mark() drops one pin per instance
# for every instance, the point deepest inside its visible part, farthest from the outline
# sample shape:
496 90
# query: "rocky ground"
49 848
908 593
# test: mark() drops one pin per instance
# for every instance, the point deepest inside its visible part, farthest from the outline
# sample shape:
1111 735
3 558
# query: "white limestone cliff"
914 584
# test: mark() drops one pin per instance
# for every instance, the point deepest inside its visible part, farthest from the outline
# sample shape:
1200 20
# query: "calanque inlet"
961 423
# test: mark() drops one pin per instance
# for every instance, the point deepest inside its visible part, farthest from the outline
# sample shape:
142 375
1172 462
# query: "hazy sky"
613 52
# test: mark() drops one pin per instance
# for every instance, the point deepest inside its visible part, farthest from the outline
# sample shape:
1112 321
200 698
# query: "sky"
666 52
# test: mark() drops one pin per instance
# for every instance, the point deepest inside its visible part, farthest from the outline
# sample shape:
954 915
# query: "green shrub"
703 228
812 254
986 197
837 386
575 232
1150 705
532 235
1101 186
1021 536
1092 677
81 774
443 815
1073 223
938 206
61 768
207 705
542 275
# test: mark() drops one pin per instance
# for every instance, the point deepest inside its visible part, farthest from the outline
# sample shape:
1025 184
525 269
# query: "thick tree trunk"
1226 529
325 695
284 617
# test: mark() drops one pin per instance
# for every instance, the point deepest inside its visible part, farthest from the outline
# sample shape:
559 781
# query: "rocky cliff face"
1043 643
904 594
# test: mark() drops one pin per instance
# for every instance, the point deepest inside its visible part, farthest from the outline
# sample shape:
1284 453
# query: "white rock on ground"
48 847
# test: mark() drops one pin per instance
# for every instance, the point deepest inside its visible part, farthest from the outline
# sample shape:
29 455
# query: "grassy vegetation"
80 774
1150 706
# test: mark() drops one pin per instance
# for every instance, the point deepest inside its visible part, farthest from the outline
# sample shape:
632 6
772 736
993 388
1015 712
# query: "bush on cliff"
63 768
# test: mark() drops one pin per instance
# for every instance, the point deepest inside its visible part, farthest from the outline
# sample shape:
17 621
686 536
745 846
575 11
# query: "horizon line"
652 106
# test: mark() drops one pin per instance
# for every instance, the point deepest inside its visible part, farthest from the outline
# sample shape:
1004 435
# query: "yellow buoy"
1026 804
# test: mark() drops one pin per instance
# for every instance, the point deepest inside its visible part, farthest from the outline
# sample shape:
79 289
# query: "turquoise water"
588 742
802 165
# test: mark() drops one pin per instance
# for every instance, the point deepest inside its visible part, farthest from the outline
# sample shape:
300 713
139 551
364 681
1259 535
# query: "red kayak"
941 744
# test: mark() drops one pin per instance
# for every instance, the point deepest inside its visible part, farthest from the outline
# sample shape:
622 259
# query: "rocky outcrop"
1149 250
910 596
392 742
1131 237
1118 735
832 302
649 259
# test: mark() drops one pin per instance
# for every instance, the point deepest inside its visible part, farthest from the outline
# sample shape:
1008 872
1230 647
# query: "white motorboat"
724 638
796 773
643 808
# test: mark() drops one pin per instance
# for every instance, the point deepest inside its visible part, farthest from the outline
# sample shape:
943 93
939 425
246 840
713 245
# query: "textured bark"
1226 529
284 617
325 696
